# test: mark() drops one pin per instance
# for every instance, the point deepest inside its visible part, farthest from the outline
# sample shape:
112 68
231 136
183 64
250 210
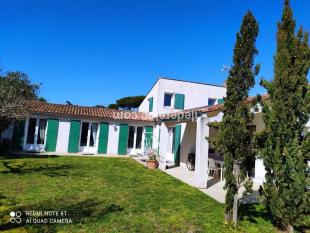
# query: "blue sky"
94 52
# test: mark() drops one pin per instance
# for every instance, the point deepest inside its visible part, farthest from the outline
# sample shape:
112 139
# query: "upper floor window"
168 99
150 104
211 101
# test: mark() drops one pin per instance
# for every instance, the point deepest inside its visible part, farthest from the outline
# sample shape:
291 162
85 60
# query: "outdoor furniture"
218 160
213 167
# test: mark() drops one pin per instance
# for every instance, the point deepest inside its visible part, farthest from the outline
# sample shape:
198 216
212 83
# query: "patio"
214 185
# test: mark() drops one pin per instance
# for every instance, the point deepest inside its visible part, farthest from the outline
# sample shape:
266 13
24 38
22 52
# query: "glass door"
89 137
134 144
36 133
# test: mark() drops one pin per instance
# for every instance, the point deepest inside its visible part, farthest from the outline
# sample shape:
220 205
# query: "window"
131 136
84 134
36 131
41 131
93 134
150 104
167 99
135 137
89 134
31 130
211 101
139 137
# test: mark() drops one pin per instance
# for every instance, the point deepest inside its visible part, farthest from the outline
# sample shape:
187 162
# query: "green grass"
112 195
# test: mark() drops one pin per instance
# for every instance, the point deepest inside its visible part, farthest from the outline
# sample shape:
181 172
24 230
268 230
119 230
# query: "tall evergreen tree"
285 117
234 138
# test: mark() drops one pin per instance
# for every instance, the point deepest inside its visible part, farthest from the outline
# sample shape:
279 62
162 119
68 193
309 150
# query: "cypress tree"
284 144
234 139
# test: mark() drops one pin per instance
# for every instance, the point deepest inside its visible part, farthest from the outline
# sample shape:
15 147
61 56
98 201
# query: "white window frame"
172 100
210 98
34 146
87 148
129 150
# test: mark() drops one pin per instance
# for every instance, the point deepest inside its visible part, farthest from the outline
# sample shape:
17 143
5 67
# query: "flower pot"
152 164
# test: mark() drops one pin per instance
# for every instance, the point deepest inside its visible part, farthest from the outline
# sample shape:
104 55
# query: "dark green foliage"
15 89
283 143
113 106
128 103
100 106
234 139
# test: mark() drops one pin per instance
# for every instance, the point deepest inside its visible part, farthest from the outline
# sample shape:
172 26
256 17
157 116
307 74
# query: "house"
173 118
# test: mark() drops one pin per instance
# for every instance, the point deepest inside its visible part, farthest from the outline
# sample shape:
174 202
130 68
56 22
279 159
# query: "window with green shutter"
51 135
148 139
150 104
220 101
176 144
179 101
103 138
123 139
74 136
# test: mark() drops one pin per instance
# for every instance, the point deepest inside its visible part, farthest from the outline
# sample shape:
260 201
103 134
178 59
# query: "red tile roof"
203 109
37 107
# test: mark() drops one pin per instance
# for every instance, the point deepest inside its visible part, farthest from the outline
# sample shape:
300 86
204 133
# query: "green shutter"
18 135
179 101
51 135
103 138
151 104
123 139
177 144
148 139
220 101
74 136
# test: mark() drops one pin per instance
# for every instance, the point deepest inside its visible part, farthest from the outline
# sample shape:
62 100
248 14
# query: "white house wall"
64 132
113 138
63 136
188 141
196 95
144 106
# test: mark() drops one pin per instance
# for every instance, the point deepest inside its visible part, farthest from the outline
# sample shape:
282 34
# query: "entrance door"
89 137
174 143
134 144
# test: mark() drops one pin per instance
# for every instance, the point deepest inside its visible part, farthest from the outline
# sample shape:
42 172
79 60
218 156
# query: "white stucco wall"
64 132
144 106
63 136
113 138
188 141
259 172
196 95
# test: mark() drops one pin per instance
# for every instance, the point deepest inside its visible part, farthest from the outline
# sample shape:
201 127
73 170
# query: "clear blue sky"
94 52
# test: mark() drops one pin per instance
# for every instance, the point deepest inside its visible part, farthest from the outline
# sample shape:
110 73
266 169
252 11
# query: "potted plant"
152 162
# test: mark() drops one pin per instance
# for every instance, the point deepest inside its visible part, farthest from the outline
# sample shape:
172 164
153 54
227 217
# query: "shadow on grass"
252 212
52 170
81 212
25 156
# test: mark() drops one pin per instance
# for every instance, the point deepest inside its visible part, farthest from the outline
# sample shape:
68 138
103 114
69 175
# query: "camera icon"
15 217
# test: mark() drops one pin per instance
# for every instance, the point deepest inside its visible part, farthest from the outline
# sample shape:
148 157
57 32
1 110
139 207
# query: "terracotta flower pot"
152 164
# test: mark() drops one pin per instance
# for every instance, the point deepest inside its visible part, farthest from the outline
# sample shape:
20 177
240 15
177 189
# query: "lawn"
111 195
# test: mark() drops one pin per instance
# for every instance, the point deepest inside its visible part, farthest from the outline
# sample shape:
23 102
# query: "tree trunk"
235 207
290 229
228 216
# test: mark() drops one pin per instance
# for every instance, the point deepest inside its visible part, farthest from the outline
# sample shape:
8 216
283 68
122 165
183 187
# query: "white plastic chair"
212 167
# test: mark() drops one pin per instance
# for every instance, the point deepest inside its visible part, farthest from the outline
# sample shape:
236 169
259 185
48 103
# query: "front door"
89 137
134 144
